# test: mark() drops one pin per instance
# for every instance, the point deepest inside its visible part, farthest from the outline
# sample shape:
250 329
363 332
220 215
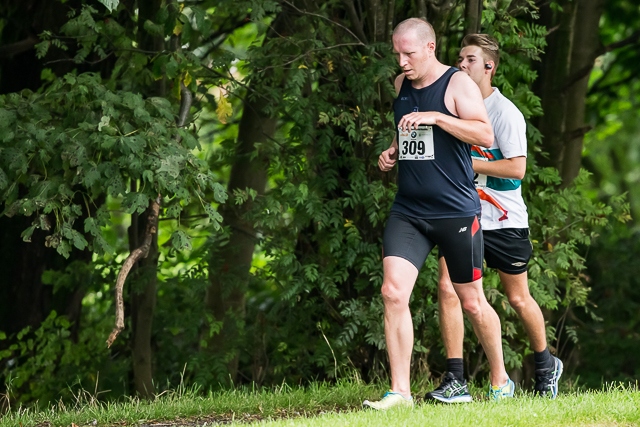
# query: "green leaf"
174 210
135 202
214 216
64 248
7 118
180 240
104 121
219 192
26 234
171 165
4 181
91 177
78 240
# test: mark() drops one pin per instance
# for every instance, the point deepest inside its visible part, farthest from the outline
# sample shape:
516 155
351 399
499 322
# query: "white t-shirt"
501 199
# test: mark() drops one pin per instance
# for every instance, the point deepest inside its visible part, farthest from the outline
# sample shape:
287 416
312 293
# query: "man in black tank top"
439 113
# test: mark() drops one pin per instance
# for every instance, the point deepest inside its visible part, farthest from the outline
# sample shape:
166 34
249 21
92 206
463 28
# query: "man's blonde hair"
421 27
488 44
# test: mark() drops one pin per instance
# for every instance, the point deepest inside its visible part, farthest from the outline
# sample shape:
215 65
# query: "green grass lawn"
336 405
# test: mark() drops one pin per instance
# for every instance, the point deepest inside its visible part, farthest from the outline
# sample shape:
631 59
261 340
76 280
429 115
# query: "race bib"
416 144
479 179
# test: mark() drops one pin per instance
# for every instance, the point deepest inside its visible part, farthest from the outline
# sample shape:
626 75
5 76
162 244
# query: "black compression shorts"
507 249
459 240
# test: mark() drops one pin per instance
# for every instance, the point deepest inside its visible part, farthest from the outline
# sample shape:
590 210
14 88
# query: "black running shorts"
507 249
459 240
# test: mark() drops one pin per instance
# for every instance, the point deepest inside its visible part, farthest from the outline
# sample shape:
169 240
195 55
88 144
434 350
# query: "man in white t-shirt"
505 226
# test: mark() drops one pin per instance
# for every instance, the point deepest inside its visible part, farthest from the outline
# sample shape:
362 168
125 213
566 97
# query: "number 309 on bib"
416 144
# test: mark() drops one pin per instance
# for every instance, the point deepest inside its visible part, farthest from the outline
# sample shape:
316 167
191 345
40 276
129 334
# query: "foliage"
48 364
66 149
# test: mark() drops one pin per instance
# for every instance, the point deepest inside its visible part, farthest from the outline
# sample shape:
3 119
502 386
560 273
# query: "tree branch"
9 50
304 12
633 38
186 99
421 9
601 50
135 256
355 21
311 51
389 18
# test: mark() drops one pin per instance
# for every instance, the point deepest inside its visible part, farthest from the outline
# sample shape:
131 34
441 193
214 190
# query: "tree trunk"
573 45
143 294
225 297
472 16
143 302
230 265
586 47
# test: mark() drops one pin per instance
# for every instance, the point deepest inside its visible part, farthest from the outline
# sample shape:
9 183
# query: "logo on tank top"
415 109
404 98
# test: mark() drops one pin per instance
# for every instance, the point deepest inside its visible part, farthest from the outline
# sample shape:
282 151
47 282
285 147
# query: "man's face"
472 62
412 54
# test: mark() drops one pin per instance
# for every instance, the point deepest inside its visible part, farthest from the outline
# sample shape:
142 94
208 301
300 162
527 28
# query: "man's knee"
519 300
472 307
392 293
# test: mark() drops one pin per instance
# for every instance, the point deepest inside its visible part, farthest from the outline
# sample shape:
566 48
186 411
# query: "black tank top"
442 187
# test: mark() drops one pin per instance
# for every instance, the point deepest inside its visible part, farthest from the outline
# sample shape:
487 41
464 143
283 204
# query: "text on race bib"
416 144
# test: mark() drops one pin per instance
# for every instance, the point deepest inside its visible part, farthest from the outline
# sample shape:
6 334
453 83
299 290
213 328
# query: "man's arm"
513 168
388 158
463 98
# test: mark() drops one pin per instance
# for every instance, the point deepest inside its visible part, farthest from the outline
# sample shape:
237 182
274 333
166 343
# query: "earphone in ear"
488 66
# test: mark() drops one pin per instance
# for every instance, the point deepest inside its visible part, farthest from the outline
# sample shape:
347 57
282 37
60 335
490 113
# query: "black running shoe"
547 379
451 390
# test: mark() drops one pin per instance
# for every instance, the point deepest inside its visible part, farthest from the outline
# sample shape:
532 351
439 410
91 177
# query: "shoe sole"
457 399
370 405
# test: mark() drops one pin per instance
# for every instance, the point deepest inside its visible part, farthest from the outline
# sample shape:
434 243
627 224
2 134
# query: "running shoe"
504 392
389 400
450 390
547 380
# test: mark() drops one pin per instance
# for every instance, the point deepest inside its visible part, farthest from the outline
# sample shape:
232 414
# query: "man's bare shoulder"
460 81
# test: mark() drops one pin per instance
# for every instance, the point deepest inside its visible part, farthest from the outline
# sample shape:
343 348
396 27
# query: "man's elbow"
519 168
519 175
486 139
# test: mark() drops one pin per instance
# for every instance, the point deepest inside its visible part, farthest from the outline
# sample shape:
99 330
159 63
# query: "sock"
456 367
543 360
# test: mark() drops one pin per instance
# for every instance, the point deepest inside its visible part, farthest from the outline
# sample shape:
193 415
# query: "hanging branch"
135 256
186 99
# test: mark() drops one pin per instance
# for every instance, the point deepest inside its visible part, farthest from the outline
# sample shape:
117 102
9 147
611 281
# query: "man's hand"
413 120
388 159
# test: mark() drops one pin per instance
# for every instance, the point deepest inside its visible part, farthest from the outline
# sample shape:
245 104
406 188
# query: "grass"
331 405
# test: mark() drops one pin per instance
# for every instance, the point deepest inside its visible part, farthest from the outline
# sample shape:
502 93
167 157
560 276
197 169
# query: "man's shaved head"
421 28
